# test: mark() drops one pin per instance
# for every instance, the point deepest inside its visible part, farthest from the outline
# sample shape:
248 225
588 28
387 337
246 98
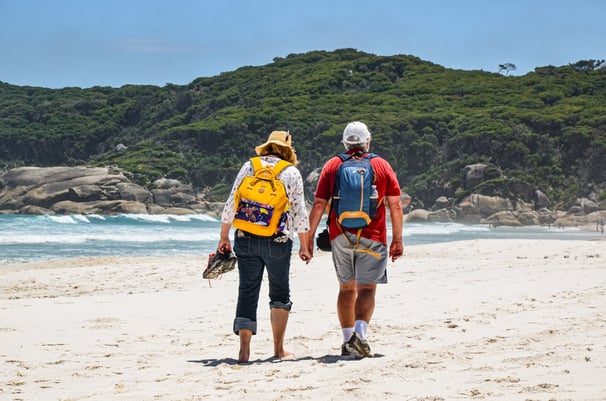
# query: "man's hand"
396 250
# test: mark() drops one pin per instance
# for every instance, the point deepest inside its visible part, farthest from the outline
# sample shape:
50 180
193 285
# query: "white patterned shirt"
291 177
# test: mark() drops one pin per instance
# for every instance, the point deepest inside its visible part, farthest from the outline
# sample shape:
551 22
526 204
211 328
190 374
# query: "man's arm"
396 249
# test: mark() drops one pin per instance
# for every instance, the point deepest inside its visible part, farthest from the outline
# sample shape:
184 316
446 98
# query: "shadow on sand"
322 359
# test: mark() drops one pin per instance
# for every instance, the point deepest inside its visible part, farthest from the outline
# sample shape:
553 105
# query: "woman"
256 253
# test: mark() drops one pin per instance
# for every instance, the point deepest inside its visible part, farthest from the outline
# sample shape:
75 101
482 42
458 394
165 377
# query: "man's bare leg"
245 337
365 302
279 319
346 302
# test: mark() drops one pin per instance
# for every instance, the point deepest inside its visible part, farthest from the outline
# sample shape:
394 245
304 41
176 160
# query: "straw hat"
283 140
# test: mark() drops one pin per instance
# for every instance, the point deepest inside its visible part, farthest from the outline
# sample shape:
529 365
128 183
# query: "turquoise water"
25 238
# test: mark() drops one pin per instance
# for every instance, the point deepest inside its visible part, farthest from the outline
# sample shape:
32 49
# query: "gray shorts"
366 262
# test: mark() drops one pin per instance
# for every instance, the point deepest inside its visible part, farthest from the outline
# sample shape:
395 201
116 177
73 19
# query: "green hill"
545 130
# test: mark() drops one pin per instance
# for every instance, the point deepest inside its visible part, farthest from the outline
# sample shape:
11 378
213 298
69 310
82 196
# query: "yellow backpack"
261 200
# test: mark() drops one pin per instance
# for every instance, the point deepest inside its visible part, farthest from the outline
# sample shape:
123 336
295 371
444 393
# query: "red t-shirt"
387 185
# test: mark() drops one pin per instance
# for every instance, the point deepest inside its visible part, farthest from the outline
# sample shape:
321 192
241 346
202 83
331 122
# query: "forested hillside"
545 130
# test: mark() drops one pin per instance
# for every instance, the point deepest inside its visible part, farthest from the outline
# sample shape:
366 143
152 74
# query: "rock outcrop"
85 190
504 205
497 211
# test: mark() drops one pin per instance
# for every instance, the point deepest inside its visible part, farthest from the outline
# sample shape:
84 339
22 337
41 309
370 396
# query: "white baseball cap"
356 133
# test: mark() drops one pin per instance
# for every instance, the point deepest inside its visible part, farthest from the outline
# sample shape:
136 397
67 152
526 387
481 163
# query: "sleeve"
393 186
229 208
298 212
388 176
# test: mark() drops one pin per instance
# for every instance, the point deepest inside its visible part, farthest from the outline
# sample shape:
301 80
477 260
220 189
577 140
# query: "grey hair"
364 146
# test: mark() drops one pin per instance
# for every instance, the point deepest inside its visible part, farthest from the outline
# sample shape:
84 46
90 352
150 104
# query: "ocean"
28 238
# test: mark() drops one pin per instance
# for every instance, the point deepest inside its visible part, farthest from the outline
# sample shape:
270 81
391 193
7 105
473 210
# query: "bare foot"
285 355
243 357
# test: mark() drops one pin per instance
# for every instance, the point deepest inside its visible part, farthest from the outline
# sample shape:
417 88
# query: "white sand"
497 320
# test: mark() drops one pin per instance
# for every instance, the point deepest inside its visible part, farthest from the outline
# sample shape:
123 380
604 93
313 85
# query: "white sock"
361 328
347 333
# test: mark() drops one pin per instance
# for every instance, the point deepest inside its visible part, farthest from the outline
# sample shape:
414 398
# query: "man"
256 253
359 257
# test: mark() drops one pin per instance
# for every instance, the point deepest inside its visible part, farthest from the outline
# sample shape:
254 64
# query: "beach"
500 320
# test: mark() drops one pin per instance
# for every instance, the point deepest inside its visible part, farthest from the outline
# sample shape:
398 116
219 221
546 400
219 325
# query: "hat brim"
259 149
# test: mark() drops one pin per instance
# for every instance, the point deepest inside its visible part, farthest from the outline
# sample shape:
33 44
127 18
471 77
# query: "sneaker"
358 347
344 350
219 263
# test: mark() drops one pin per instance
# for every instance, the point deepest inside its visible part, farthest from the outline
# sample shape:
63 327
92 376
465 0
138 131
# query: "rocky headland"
94 190
498 211
525 206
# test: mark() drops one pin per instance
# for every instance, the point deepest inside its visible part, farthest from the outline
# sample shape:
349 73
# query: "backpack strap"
344 156
281 165
256 164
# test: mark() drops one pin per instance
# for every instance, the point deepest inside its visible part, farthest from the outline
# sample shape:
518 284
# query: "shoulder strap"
344 156
256 164
281 165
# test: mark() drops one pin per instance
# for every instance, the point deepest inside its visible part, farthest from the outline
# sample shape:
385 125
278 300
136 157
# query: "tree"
507 67
588 65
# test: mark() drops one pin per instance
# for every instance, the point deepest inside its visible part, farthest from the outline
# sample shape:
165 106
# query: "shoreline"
479 319
24 241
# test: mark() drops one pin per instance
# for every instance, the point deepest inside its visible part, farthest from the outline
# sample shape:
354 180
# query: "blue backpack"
355 196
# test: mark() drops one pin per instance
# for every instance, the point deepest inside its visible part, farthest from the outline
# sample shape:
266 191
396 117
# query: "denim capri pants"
255 254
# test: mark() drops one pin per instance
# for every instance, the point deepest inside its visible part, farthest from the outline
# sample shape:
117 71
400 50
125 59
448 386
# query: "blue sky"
59 43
